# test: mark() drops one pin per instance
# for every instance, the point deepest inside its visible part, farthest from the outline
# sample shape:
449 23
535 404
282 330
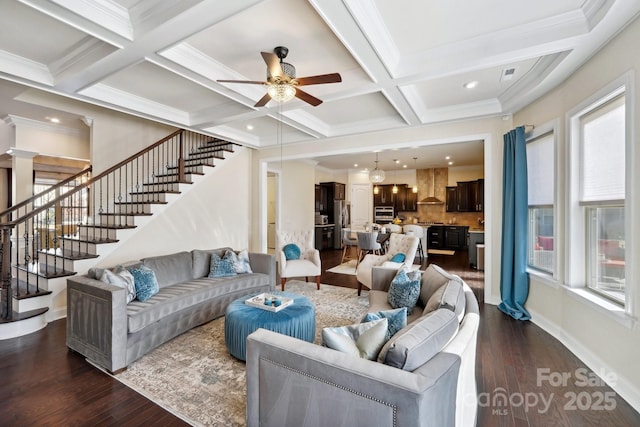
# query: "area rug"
348 267
441 252
194 377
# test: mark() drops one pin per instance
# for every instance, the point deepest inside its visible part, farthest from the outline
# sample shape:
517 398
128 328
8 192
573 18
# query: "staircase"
64 230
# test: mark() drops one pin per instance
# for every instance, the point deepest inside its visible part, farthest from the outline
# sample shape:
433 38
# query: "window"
601 135
540 187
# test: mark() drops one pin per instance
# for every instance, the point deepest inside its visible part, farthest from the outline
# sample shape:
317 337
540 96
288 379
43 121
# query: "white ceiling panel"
402 63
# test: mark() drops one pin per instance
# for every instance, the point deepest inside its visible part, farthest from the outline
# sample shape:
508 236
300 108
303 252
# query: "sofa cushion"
145 282
172 268
432 279
363 340
450 296
417 343
122 278
181 296
202 260
405 289
222 267
396 318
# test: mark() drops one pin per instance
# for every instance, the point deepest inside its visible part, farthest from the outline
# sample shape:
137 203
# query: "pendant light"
415 186
376 176
394 189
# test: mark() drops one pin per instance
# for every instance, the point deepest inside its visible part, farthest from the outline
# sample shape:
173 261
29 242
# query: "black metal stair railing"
48 234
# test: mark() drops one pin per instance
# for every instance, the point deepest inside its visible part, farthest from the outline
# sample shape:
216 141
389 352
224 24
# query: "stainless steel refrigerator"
341 219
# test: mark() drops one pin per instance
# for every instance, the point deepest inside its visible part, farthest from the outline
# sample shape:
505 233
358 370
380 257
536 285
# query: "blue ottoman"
297 320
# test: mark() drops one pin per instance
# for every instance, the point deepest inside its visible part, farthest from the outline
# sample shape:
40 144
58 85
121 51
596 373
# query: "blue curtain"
514 280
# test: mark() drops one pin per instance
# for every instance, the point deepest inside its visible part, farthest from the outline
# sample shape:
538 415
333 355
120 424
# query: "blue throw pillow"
397 319
291 251
222 267
405 289
399 257
145 282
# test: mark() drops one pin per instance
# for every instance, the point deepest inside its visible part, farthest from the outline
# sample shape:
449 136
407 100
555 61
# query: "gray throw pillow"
363 340
432 279
122 278
450 296
416 344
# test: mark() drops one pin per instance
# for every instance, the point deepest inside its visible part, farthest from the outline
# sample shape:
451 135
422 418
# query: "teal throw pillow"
145 282
122 278
222 267
364 340
396 319
405 289
291 251
240 261
399 257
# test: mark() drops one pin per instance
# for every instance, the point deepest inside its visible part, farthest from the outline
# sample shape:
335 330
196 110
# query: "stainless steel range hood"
432 200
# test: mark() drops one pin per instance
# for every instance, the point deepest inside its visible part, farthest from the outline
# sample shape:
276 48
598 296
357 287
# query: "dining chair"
348 243
367 243
416 230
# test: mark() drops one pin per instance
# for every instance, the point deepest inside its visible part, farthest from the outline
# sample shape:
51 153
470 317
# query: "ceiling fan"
282 84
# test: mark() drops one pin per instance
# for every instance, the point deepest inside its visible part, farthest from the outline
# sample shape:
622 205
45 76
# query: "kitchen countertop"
476 230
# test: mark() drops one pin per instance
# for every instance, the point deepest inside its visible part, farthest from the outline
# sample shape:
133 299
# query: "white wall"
605 344
326 175
50 139
212 213
464 173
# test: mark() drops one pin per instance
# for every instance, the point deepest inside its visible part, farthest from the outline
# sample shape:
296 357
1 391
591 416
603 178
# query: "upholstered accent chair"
308 263
398 244
394 228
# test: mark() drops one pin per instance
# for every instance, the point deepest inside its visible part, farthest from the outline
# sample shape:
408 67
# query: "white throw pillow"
363 340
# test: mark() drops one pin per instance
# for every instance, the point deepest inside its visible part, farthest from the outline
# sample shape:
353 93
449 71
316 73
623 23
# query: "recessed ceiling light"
355 165
54 120
396 161
470 85
447 157
249 127
450 163
404 166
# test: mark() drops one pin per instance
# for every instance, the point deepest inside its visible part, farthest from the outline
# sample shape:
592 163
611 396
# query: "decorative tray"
258 301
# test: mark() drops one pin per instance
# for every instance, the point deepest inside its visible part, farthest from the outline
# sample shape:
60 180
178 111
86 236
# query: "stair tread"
48 271
168 182
146 202
22 285
15 317
115 227
126 214
137 193
93 241
71 255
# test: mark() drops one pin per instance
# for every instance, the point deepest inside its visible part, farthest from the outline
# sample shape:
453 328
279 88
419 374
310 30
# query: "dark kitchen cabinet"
322 199
336 190
467 196
384 196
452 199
452 237
455 237
324 237
411 203
435 237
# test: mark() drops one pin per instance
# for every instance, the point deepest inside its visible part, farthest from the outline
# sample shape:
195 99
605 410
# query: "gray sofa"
290 382
112 334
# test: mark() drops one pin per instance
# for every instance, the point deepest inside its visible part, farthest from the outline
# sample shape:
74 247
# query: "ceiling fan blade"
252 82
320 79
308 98
273 64
263 101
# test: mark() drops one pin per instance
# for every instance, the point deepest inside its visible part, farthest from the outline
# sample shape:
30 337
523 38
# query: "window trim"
575 229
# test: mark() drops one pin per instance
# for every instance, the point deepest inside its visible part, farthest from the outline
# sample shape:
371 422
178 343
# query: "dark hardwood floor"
45 384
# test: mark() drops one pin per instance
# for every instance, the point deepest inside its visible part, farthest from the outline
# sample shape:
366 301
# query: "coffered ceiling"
403 63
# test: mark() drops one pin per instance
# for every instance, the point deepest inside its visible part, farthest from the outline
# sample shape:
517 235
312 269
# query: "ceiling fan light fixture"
281 92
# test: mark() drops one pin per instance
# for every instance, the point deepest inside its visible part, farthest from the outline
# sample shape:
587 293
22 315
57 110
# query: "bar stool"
416 230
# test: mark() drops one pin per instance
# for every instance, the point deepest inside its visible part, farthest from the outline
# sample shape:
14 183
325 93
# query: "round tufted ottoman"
297 320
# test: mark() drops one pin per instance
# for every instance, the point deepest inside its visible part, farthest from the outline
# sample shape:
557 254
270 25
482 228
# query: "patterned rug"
194 377
348 267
